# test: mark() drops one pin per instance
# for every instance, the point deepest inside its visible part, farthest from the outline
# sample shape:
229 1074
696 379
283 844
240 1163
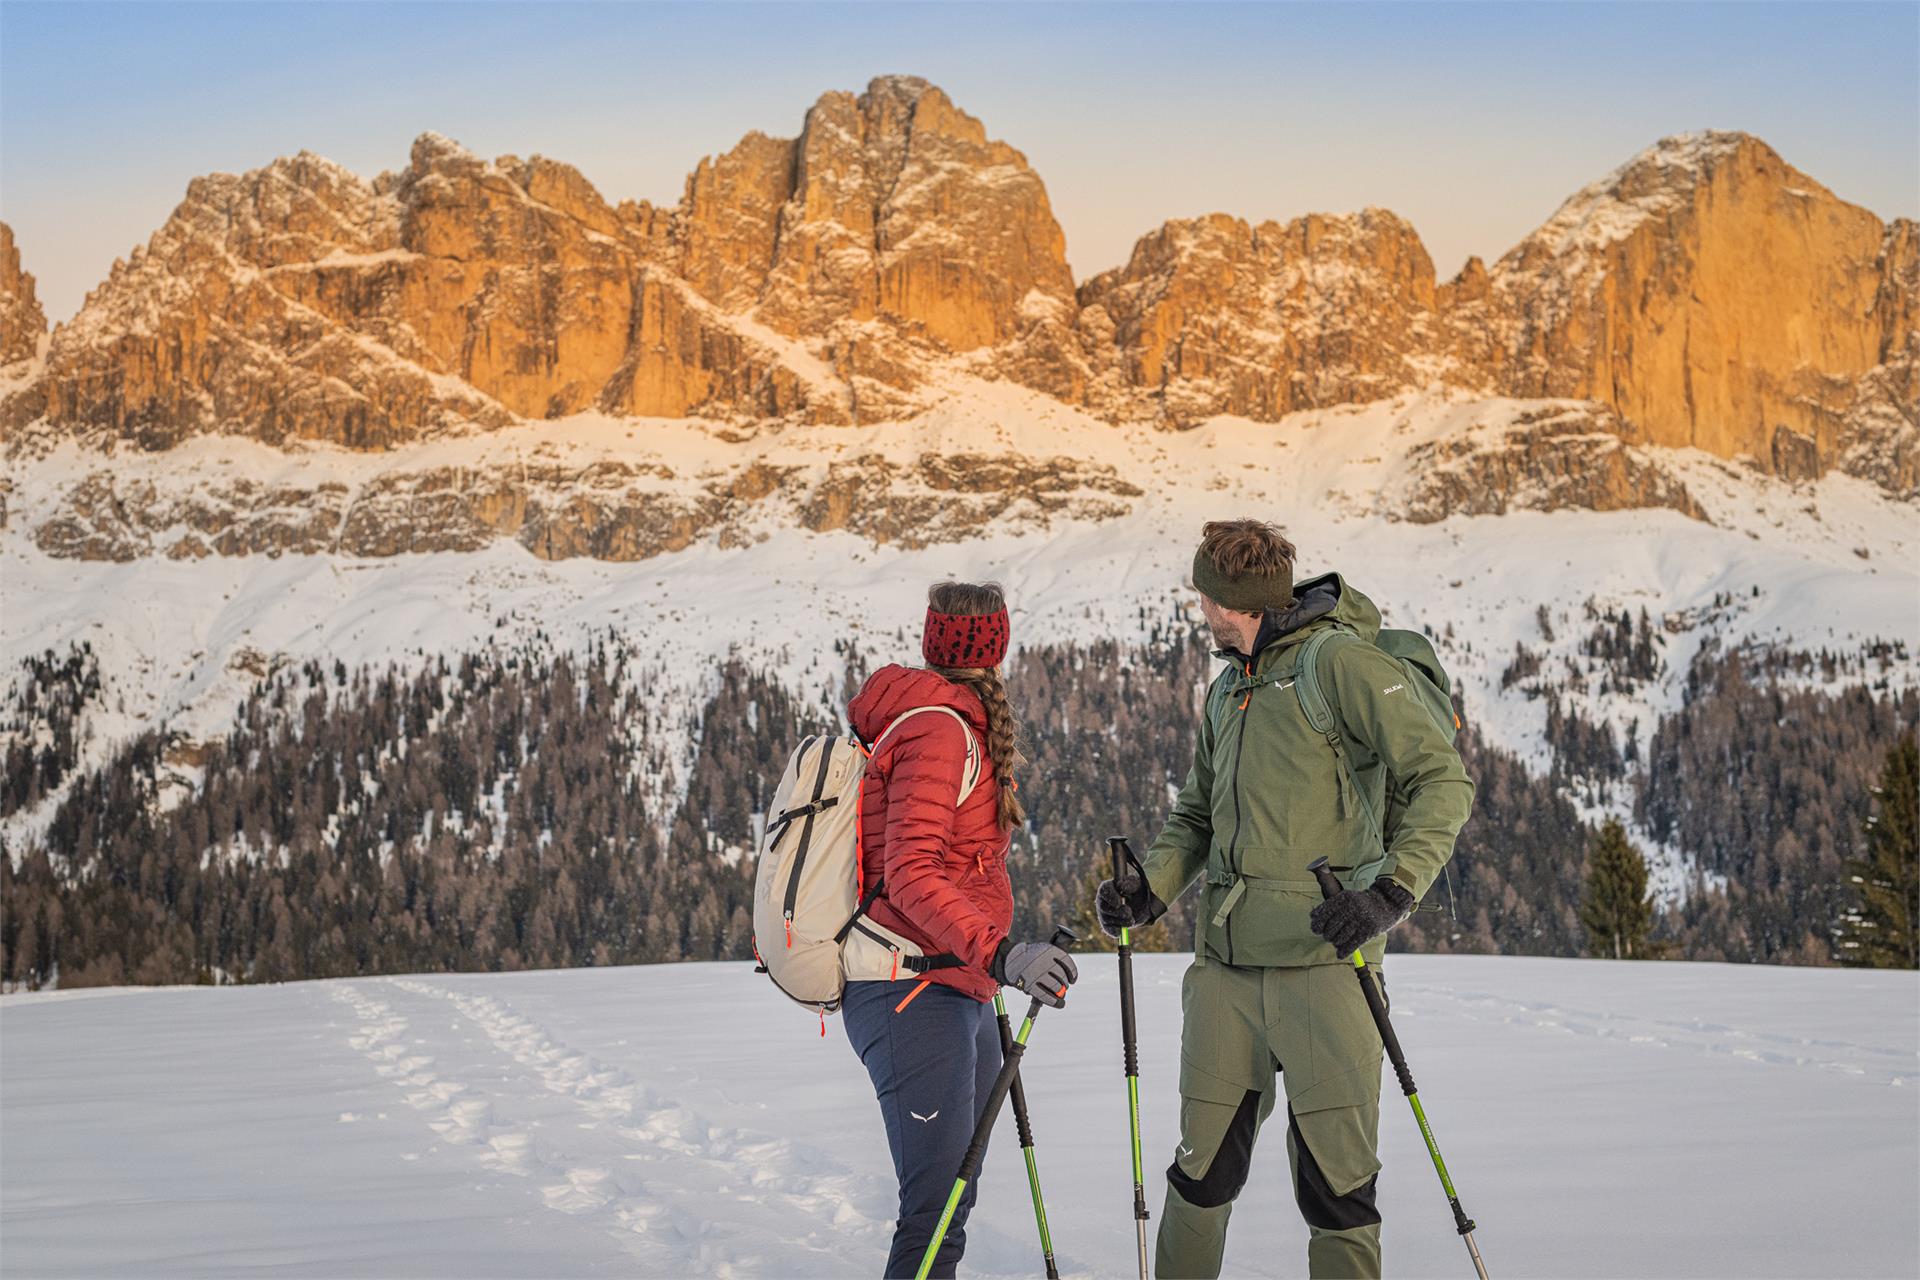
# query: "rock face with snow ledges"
22 322
1719 298
300 302
1707 293
1213 315
1559 455
893 260
893 207
890 233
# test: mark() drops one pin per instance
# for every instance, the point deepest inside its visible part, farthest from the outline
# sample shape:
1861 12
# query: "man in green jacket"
1268 992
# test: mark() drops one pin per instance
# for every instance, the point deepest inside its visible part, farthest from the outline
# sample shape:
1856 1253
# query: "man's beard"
1224 639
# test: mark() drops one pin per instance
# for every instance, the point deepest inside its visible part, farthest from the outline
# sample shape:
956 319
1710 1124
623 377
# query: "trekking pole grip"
1123 860
1329 883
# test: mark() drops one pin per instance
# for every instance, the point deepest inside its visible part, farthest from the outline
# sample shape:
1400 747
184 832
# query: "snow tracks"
603 1148
1694 1035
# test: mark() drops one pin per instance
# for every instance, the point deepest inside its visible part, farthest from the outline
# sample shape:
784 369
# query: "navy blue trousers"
932 1066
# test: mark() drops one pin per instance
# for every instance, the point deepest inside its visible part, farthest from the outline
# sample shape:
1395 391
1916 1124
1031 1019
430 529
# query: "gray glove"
1352 916
1039 969
1126 903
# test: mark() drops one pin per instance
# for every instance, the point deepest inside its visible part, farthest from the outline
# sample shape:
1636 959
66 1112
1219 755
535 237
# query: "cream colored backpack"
811 933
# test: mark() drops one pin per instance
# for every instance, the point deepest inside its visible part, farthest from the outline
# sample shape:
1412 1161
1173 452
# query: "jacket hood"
894 689
1327 596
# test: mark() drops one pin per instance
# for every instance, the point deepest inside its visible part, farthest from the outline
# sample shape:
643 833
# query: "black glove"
1126 903
1352 916
1040 969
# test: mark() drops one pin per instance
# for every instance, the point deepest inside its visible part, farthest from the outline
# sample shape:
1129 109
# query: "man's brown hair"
1242 547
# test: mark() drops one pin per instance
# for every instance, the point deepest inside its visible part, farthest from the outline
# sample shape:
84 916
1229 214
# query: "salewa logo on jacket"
1393 688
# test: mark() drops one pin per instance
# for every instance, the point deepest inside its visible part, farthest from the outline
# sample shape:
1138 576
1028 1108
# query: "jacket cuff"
1398 896
995 961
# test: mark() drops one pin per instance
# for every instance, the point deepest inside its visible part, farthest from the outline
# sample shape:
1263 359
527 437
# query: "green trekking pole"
1124 863
977 1149
1329 886
1024 1126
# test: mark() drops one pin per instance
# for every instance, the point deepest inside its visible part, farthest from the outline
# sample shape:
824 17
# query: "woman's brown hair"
970 599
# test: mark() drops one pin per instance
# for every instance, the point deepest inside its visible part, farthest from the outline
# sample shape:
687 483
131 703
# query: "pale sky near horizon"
1474 121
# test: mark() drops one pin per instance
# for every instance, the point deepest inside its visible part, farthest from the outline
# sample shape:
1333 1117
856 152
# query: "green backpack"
1430 685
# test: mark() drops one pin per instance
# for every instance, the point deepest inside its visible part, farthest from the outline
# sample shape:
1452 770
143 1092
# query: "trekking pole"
1024 1126
1329 886
1123 859
977 1148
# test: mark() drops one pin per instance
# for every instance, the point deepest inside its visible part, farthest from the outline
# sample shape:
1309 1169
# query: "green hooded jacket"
1267 795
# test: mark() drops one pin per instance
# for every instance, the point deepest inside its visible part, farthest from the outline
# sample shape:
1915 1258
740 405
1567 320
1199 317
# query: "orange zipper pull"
911 994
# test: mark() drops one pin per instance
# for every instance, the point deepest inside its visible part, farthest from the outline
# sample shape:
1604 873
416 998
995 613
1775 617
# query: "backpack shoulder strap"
1322 715
969 772
1306 681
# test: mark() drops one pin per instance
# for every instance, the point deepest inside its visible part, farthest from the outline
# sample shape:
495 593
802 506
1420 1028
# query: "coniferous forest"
528 807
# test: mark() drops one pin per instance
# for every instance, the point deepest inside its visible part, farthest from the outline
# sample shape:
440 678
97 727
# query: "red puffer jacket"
945 869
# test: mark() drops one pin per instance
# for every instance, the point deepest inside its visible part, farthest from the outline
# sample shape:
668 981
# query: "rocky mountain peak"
1216 315
849 273
1717 297
899 208
22 322
432 152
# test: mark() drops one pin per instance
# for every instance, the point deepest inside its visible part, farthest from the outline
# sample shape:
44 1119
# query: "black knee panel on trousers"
1318 1205
1231 1160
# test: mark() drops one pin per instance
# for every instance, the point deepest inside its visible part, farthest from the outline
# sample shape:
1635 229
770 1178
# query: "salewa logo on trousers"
922 1119
1393 688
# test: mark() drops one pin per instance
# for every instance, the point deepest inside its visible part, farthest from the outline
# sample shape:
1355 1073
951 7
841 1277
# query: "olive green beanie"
1248 593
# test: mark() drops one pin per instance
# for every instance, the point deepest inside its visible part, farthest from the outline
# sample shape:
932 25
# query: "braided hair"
1003 729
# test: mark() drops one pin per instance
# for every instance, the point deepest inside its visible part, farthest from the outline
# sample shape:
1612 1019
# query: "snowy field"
1601 1119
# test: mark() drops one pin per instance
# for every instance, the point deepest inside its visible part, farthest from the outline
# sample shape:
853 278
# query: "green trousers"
1241 1028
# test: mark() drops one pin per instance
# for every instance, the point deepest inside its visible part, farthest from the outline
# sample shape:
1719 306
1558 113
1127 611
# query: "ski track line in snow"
808 1201
1894 1067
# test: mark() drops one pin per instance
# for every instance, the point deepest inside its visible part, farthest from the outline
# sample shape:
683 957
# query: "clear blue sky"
1473 121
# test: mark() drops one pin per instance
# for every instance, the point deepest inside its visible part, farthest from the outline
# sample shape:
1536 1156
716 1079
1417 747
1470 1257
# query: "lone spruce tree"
1616 909
1882 929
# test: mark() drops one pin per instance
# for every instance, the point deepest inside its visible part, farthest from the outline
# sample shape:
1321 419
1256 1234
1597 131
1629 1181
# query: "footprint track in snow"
1875 1063
667 1162
450 1108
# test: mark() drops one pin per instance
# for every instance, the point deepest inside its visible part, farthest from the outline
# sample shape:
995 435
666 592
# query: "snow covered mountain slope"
1601 1119
1093 540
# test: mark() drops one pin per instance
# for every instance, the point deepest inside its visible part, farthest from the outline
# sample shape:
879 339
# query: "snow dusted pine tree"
1883 930
1617 911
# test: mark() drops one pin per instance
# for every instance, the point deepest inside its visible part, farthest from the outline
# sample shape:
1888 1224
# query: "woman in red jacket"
930 1043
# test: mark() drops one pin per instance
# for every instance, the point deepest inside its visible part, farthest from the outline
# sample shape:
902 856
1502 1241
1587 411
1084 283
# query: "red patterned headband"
964 639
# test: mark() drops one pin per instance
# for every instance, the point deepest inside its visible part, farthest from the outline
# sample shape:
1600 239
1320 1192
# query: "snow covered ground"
1601 1119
